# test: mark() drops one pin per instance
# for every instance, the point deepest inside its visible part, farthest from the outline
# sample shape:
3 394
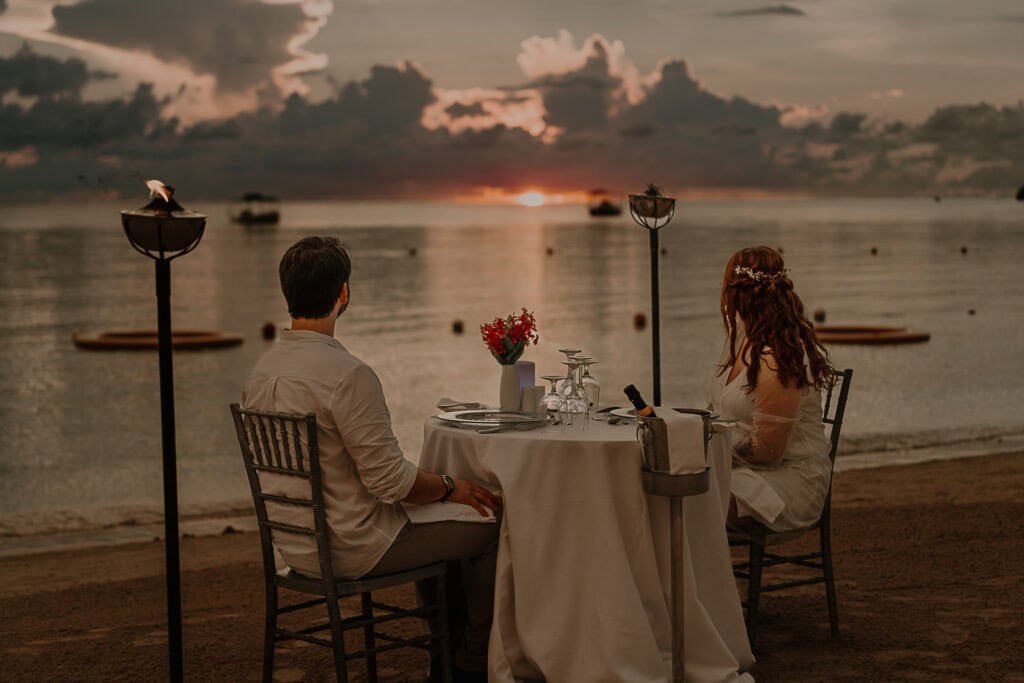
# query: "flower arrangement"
508 337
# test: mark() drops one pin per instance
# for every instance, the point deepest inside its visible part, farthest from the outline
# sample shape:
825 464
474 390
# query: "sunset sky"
479 98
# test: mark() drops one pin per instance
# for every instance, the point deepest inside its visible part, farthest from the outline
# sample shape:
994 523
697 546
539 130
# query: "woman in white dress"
770 380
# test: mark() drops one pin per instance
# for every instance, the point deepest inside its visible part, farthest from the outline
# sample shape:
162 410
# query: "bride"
770 380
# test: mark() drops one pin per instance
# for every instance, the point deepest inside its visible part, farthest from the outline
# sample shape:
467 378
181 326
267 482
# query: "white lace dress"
789 493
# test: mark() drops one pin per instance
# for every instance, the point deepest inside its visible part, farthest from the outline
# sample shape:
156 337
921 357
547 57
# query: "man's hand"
468 493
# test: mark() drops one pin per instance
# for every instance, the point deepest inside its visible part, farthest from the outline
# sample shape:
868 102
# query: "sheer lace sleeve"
774 416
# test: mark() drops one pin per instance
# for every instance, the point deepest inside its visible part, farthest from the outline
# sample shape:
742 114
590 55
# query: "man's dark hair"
312 273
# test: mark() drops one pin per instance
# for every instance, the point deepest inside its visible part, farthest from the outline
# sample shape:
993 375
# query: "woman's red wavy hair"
762 297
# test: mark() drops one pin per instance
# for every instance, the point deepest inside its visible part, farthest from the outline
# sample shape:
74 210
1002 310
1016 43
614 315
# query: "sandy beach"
928 563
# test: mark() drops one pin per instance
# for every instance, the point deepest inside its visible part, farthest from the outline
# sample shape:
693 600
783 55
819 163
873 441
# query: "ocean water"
80 430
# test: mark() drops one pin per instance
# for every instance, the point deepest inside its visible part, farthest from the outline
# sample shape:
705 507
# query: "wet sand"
928 561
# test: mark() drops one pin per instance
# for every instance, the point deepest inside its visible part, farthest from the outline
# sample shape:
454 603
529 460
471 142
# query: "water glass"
591 387
574 408
552 399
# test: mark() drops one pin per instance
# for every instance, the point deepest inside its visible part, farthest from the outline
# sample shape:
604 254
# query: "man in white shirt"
364 472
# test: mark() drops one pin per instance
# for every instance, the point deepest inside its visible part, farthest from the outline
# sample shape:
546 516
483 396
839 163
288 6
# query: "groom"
364 472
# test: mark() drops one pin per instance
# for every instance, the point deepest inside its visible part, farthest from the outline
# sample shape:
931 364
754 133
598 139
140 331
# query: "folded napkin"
685 441
449 405
444 512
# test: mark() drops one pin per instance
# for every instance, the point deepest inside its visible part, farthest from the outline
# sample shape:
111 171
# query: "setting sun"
532 198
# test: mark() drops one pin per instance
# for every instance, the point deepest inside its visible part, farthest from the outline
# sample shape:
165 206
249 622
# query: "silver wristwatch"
449 487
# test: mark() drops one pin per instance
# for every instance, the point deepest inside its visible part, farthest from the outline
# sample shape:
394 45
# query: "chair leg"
337 639
368 640
442 625
269 632
754 590
830 585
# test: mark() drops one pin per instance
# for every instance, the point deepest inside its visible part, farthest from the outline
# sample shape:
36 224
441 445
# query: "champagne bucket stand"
657 480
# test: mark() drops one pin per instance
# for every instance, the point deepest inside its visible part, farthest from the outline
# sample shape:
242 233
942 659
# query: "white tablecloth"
583 579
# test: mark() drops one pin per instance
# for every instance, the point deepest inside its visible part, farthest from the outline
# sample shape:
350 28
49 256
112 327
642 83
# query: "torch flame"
158 188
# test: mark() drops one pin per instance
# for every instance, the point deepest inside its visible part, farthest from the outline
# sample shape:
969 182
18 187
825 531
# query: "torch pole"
163 301
655 318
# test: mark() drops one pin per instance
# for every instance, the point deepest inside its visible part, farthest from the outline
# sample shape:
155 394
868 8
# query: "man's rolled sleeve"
363 420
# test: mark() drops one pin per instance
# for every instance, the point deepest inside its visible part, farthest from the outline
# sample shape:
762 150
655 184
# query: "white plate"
488 418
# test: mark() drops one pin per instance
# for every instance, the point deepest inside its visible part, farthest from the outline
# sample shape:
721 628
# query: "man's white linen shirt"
363 470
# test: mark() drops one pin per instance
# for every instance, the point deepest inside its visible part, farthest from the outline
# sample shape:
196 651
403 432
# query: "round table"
582 591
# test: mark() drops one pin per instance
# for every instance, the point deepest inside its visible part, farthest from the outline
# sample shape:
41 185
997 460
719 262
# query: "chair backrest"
282 448
835 407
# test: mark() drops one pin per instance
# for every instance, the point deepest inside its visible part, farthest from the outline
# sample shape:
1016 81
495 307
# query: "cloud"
544 58
242 44
476 109
32 75
390 102
675 97
73 125
784 10
582 98
458 110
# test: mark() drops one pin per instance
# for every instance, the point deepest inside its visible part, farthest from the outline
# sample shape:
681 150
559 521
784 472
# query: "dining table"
582 587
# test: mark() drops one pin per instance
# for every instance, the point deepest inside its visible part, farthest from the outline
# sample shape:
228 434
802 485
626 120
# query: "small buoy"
874 251
230 530
457 327
269 331
780 250
970 311
639 320
412 251
938 199
664 251
819 315
550 251
963 250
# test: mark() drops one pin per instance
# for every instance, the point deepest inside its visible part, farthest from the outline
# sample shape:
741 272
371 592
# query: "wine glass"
552 398
591 387
563 385
574 408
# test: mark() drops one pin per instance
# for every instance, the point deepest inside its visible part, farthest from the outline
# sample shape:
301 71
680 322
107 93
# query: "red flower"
508 337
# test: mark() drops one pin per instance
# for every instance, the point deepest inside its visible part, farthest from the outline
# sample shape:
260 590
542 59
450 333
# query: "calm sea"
80 430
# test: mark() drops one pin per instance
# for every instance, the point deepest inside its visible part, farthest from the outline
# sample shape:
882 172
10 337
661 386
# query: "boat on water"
255 208
1020 194
602 204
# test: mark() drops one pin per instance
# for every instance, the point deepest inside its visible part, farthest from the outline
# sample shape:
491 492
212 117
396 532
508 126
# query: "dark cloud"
212 130
31 75
389 102
237 41
847 124
581 99
785 10
72 125
459 110
678 98
979 129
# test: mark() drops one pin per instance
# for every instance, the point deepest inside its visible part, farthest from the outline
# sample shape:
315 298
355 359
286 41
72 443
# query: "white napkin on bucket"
685 441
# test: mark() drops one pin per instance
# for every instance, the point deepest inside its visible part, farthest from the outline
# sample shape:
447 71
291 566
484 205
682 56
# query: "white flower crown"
759 276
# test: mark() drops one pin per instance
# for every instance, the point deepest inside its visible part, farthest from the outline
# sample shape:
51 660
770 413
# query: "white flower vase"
508 396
